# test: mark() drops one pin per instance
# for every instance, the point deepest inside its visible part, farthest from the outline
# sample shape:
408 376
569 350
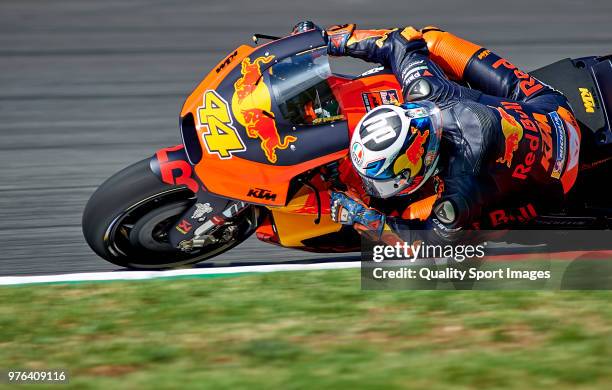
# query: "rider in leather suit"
510 144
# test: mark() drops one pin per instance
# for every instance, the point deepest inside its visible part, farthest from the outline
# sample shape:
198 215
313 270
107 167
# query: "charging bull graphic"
513 133
261 125
252 106
412 158
251 73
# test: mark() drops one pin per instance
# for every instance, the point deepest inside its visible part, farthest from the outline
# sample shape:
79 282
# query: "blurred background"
88 87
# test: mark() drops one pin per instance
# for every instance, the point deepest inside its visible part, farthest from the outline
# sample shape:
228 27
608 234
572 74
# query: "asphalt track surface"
89 87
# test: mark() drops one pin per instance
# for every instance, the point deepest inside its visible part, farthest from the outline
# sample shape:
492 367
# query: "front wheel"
127 219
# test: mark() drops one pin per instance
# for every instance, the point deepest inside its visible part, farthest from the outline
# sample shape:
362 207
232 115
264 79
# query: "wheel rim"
150 230
139 227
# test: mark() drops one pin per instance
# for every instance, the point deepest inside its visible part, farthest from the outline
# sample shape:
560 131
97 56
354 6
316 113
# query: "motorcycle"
265 135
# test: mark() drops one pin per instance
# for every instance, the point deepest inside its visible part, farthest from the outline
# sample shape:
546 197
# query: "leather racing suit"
510 143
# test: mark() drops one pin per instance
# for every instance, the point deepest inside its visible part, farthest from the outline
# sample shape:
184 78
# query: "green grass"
306 330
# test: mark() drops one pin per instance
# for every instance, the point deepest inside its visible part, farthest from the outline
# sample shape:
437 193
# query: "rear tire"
127 218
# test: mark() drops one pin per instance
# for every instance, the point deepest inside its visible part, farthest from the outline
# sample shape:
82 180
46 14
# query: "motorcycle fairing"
295 227
256 168
587 84
172 167
350 93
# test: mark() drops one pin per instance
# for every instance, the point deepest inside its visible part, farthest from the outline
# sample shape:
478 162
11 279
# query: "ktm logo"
227 61
261 193
484 54
587 100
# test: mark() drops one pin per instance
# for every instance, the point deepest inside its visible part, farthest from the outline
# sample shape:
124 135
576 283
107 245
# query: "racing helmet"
395 148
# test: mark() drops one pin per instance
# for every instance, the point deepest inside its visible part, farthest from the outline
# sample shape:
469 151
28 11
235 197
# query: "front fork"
209 213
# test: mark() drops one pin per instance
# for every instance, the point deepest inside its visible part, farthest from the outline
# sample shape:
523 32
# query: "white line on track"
142 275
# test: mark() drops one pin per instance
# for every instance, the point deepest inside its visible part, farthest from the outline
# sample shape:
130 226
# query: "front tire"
126 221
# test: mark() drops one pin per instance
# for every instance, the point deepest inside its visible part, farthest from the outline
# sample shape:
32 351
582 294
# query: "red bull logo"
415 150
251 73
513 133
252 106
260 125
412 159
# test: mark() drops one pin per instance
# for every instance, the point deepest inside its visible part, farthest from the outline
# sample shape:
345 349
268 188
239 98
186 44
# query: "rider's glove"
349 211
337 37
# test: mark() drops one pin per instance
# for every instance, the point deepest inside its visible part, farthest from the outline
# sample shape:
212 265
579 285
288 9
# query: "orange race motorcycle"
265 135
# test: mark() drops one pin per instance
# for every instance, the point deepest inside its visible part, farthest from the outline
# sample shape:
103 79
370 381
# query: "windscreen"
300 88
